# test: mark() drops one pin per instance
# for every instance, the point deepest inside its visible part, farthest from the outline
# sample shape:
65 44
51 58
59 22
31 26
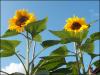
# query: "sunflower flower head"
75 24
20 20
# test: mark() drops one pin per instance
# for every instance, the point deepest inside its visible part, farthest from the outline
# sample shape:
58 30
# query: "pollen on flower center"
76 26
21 21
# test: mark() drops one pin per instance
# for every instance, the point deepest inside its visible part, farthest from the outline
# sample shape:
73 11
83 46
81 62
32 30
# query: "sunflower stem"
34 73
27 55
33 56
83 68
37 55
78 68
21 62
27 37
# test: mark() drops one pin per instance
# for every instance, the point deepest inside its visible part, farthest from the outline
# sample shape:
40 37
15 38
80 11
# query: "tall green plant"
75 31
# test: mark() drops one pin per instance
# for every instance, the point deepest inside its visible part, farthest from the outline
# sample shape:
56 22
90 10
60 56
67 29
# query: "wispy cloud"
94 14
14 67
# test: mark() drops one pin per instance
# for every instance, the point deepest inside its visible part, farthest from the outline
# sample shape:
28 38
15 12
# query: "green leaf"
61 34
83 34
88 46
61 51
95 36
67 37
55 59
35 28
51 57
9 33
9 44
73 65
49 64
7 53
93 55
61 71
8 47
97 63
53 64
49 43
98 73
74 69
37 38
42 72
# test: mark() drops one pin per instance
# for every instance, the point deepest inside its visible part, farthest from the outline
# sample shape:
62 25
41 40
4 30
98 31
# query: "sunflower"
20 20
75 24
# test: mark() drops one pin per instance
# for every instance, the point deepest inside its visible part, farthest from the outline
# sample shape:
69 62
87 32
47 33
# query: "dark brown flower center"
21 21
76 25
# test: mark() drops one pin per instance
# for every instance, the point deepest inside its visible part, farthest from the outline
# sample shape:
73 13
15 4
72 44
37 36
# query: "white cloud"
14 67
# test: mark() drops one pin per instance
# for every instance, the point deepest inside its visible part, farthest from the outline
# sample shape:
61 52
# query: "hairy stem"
34 52
27 54
37 55
21 62
33 56
27 37
82 63
21 56
78 67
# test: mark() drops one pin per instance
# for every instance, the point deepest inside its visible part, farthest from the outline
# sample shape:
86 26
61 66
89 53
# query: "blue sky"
57 12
